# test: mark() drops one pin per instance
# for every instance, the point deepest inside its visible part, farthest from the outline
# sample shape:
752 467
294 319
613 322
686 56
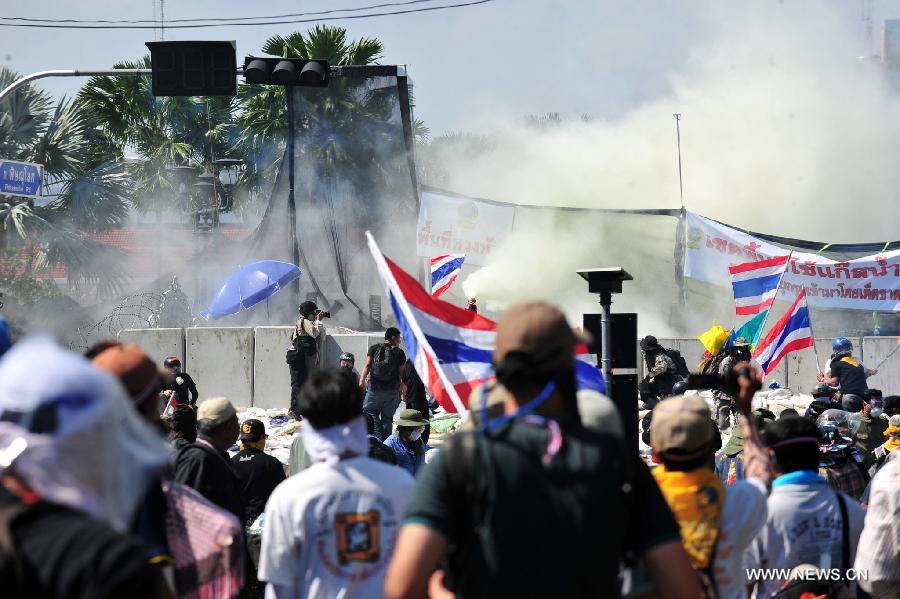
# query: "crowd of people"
117 480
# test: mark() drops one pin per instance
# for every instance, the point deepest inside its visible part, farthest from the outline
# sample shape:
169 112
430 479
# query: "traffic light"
204 68
287 71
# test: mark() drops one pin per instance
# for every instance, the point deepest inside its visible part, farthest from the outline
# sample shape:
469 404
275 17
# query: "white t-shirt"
803 527
743 516
330 530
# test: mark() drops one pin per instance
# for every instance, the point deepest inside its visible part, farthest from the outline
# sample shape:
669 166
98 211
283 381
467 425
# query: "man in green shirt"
535 504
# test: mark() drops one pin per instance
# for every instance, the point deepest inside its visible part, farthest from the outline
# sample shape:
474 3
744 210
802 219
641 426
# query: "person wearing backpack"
303 353
808 522
662 372
382 369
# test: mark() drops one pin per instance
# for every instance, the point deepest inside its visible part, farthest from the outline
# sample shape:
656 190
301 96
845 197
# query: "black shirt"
67 554
398 358
558 530
851 375
259 474
208 471
183 386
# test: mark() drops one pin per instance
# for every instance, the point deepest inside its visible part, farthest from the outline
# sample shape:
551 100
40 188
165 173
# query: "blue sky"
470 65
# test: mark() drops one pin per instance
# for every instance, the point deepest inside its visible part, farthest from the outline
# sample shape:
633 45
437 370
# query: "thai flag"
792 332
450 346
444 270
755 284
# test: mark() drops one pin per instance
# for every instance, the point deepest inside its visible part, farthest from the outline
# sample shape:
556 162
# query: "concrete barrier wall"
876 349
158 343
271 381
221 361
247 365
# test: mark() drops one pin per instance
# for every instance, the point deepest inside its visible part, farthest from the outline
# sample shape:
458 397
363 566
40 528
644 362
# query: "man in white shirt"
806 521
879 546
329 530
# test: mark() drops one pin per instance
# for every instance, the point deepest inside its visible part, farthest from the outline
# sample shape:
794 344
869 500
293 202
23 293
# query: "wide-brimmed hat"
410 417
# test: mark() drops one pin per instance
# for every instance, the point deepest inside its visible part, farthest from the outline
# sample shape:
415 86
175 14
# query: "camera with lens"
727 382
324 313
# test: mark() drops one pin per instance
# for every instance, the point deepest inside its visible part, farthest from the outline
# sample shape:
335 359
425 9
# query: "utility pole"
677 116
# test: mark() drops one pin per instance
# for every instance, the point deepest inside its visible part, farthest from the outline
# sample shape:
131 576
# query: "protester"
879 546
140 377
799 506
195 544
872 423
76 462
330 529
406 441
738 351
181 384
257 472
883 452
840 463
414 395
513 504
303 354
730 461
377 449
298 459
662 372
347 361
382 371
717 523
844 371
204 465
182 423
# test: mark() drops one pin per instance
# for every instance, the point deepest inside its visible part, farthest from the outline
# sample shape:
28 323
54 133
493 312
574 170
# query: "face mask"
876 412
415 434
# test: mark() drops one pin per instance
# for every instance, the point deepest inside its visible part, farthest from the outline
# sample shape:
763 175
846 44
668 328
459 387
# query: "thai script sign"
21 178
867 283
453 224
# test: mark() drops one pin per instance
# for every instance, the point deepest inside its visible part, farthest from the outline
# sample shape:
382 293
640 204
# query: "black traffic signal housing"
286 71
202 68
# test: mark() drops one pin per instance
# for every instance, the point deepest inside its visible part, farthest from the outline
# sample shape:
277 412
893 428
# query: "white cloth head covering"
86 447
329 444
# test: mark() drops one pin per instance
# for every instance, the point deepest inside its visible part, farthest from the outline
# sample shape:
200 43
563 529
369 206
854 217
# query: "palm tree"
161 132
89 193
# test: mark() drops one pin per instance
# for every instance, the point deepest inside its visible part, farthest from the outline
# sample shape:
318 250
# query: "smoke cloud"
786 129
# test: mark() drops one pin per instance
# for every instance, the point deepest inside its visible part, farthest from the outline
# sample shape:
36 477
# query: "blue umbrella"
249 285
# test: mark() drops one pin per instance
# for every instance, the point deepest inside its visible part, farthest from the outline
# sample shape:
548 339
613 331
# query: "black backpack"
385 364
681 367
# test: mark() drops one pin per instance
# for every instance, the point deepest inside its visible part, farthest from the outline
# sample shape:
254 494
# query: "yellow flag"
714 339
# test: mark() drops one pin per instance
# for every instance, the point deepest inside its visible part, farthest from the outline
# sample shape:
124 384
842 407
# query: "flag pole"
769 309
416 330
815 350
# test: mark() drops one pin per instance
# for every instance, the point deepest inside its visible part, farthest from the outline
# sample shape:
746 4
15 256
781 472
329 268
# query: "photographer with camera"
302 356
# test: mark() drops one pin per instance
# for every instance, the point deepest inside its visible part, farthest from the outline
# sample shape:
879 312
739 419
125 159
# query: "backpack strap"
8 553
845 534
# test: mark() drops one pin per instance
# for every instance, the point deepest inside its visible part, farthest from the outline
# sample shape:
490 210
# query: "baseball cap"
538 330
683 424
252 430
215 409
133 367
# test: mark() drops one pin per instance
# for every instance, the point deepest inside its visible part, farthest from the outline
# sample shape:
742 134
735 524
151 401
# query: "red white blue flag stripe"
444 270
450 346
791 333
755 284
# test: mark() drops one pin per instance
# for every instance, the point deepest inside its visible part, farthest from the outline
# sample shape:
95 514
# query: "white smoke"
785 130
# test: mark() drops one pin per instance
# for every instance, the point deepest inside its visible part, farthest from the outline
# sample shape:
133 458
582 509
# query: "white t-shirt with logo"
330 531
804 527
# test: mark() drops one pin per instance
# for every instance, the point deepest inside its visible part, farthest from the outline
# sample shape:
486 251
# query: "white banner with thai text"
867 283
454 225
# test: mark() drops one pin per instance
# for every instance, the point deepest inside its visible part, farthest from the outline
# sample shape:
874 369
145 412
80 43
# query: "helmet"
841 344
740 342
347 357
822 390
649 343
679 388
307 308
172 362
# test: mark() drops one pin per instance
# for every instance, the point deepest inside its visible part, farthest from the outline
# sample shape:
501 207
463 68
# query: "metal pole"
73 73
677 116
292 206
605 335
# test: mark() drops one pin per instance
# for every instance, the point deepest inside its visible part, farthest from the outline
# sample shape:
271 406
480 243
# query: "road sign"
21 178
